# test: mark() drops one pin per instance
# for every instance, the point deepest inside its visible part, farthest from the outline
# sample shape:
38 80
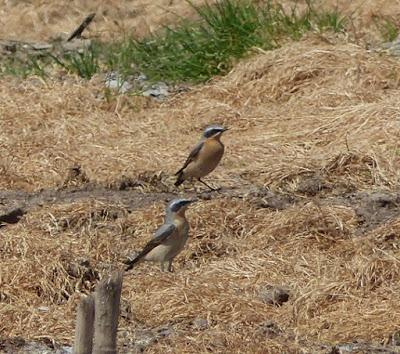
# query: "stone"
274 295
200 323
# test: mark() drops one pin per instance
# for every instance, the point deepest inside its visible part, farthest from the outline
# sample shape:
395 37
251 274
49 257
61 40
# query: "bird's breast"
173 245
208 159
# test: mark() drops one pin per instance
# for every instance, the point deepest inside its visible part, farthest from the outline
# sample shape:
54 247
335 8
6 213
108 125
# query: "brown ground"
310 198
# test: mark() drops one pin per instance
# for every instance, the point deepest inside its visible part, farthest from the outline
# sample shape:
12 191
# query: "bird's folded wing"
160 236
192 156
163 232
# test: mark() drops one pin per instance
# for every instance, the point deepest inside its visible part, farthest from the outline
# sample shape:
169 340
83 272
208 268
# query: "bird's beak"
190 201
225 129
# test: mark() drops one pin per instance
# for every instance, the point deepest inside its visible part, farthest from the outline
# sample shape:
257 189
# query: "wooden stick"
83 343
107 303
82 26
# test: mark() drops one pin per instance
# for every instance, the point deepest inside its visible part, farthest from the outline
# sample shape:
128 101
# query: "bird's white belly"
170 248
159 253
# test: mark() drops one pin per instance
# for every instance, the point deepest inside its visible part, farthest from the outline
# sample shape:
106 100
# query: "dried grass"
45 20
311 108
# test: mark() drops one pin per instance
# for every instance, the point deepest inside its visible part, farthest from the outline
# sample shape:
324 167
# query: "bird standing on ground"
205 156
169 239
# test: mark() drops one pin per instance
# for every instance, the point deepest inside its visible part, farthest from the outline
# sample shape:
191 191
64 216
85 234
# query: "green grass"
23 67
331 20
387 28
85 64
195 51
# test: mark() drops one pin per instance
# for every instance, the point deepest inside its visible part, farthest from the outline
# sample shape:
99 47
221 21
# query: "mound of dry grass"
291 116
320 108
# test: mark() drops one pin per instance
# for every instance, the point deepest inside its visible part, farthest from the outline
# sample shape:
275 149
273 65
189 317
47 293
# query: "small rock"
126 310
9 47
273 201
311 185
75 176
274 295
12 216
146 337
395 339
43 309
114 81
128 183
392 47
206 196
77 45
84 262
38 46
158 90
270 329
334 350
82 269
141 79
383 199
164 331
200 323
143 339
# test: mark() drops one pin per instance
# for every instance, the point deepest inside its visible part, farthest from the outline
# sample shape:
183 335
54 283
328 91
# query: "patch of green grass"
118 57
195 51
387 28
331 20
85 64
227 30
29 66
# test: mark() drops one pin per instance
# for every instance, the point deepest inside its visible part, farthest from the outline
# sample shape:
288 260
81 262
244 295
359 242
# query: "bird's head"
214 131
179 206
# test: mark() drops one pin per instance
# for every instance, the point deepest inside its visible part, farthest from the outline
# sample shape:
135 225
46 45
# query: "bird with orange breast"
204 157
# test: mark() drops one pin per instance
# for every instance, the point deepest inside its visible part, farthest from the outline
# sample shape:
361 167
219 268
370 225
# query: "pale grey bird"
205 156
169 239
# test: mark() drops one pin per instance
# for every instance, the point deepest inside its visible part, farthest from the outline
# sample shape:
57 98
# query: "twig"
347 143
86 22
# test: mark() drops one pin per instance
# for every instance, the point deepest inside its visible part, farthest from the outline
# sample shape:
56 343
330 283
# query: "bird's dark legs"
208 186
169 268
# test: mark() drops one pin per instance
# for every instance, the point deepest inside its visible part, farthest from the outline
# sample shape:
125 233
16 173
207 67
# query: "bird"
170 238
204 157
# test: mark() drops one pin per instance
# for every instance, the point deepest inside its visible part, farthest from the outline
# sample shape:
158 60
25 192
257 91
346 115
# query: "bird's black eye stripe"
177 205
213 131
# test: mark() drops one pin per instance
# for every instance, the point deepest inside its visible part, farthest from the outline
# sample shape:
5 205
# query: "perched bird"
205 156
169 239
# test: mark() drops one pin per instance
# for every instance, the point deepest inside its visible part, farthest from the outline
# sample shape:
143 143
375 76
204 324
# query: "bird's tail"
131 263
180 179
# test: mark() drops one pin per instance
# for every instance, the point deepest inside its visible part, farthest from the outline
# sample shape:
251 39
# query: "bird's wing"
192 156
160 236
163 232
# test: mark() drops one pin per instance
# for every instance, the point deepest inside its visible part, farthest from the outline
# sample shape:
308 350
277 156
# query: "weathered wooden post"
107 304
84 329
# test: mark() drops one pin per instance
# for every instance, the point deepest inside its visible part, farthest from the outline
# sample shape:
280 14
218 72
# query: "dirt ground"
310 198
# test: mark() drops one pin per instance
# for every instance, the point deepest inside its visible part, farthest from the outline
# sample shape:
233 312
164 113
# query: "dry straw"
311 109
